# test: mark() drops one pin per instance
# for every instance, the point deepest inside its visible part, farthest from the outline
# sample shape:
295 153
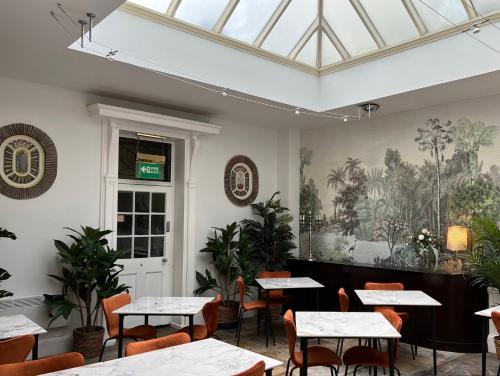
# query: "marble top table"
160 306
206 357
19 325
344 325
485 314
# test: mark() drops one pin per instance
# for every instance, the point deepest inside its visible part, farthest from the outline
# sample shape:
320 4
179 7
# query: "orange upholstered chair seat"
254 304
210 313
199 332
256 370
318 356
16 350
141 331
495 317
41 366
135 348
343 300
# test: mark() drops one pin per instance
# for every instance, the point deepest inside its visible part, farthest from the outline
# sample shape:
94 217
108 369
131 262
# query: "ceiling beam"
415 16
335 40
271 22
303 40
319 39
356 4
470 9
172 8
225 16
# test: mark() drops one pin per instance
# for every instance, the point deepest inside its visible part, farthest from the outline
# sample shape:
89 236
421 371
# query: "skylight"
320 33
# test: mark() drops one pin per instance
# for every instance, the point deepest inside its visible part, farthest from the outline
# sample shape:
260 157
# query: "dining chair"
495 317
175 339
43 365
317 355
257 369
391 286
259 305
111 304
344 307
372 357
276 297
210 312
16 349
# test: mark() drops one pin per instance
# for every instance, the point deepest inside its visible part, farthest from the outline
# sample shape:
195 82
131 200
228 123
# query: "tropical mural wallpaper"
392 212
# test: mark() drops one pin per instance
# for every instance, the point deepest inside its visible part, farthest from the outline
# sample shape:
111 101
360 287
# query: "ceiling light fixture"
297 111
346 119
111 55
475 28
82 30
91 17
369 108
224 92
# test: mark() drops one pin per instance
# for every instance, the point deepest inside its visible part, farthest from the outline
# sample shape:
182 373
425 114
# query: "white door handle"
164 260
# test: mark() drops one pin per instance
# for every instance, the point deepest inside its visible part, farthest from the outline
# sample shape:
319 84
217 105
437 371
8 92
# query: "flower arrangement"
426 246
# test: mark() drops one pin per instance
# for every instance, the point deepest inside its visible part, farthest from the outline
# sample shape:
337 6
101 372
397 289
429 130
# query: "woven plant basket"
228 312
88 343
497 346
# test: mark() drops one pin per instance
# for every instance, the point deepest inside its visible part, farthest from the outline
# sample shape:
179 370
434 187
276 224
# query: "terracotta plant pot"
497 346
228 314
88 343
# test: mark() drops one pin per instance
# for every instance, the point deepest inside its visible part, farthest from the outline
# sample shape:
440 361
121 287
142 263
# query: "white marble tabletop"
344 325
165 306
288 283
396 298
487 312
207 357
18 325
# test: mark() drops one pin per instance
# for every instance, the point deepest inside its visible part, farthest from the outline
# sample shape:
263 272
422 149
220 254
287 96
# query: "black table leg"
317 309
120 335
434 329
390 346
304 348
146 319
268 318
34 352
484 345
269 372
191 327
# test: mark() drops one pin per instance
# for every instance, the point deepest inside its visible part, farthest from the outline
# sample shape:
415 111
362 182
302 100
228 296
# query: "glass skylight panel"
437 14
329 54
160 6
349 28
249 18
202 13
291 26
486 6
391 20
309 52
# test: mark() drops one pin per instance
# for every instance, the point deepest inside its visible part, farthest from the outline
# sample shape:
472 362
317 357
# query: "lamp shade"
458 238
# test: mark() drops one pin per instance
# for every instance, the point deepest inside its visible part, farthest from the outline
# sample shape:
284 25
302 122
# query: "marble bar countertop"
487 312
164 306
396 298
18 325
344 325
207 357
288 283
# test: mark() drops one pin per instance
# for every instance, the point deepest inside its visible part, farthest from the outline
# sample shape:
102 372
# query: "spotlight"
297 111
475 29
224 92
346 118
111 55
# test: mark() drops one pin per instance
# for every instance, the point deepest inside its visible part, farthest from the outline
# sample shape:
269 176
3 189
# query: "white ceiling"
34 48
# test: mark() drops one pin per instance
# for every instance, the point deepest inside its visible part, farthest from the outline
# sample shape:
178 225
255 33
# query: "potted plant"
231 257
89 274
270 234
4 274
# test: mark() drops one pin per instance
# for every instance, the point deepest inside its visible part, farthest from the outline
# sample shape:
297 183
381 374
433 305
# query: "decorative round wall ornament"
28 161
241 180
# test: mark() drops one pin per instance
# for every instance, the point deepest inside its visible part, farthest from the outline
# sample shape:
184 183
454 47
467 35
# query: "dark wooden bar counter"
458 330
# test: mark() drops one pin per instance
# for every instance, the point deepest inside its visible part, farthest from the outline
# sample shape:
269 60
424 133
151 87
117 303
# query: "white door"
144 234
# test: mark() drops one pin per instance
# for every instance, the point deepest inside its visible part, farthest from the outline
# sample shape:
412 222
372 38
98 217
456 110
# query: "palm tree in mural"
469 137
351 167
434 138
336 179
375 182
337 201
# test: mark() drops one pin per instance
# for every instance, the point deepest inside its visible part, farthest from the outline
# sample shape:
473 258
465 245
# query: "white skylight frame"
319 28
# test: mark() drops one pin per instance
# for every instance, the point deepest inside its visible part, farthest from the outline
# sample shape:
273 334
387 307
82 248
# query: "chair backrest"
41 366
495 317
384 286
135 348
343 300
16 350
280 274
111 304
210 313
397 323
291 332
257 369
241 288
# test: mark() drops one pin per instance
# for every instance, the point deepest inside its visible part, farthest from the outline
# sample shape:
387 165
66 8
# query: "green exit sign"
148 170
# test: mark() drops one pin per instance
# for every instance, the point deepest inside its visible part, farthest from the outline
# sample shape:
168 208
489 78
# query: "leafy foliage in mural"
309 193
4 274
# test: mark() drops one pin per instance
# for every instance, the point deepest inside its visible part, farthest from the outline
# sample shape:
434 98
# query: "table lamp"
458 239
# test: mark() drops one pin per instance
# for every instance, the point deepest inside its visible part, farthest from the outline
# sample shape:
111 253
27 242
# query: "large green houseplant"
231 257
89 274
270 234
4 274
485 254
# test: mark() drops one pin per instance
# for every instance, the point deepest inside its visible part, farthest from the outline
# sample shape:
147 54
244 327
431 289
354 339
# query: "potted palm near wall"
4 274
89 274
231 257
270 233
